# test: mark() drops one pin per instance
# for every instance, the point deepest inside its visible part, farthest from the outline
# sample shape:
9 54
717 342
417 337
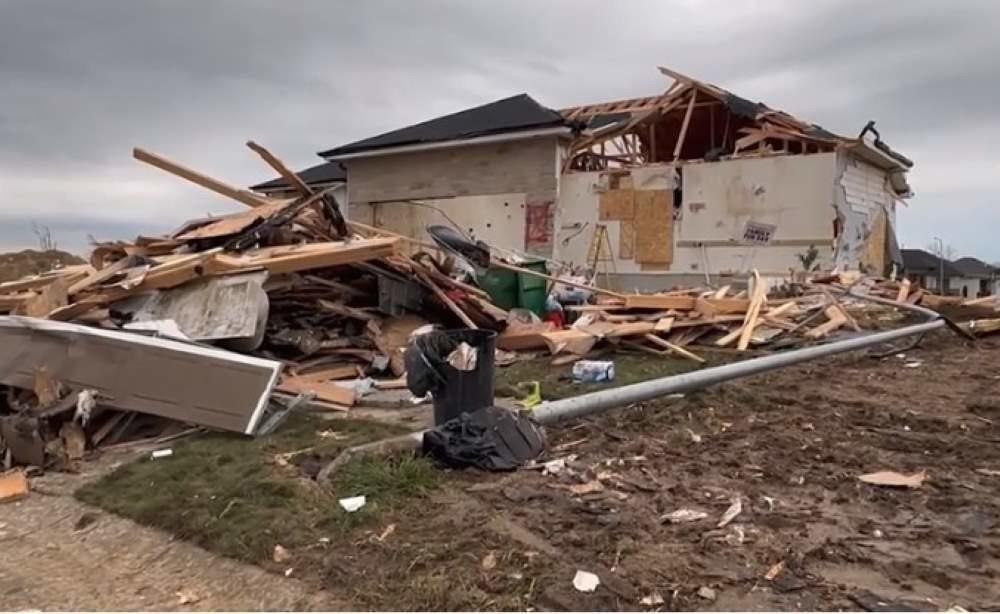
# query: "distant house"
319 177
976 278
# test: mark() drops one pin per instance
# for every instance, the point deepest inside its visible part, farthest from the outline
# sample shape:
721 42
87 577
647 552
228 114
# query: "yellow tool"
534 397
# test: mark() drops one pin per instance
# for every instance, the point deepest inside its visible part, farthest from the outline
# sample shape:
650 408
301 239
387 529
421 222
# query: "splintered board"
654 237
626 240
617 205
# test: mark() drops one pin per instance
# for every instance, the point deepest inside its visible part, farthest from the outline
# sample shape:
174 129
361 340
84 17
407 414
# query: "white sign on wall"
758 234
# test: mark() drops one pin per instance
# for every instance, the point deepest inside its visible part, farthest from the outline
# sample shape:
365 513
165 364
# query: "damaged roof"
321 174
520 112
974 267
766 120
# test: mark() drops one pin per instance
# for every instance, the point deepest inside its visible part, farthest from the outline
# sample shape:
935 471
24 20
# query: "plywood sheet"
626 240
654 237
617 205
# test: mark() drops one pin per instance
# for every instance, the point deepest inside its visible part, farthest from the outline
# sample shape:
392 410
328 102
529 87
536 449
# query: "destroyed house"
690 185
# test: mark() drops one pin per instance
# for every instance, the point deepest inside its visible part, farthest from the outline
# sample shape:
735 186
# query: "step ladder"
599 254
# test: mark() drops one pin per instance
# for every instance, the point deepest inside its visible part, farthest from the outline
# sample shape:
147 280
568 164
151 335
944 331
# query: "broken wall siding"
864 203
192 383
526 166
791 194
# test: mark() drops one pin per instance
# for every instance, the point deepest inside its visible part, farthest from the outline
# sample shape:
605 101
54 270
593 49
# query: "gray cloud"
84 82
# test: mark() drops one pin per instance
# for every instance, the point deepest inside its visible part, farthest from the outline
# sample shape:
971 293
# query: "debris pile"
218 324
667 323
232 321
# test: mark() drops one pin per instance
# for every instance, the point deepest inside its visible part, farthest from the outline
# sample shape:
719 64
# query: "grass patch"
239 497
557 381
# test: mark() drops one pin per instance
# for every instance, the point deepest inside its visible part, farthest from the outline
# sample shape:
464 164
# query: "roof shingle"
519 112
328 172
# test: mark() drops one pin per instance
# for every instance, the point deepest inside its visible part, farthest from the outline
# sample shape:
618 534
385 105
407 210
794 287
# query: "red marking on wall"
538 225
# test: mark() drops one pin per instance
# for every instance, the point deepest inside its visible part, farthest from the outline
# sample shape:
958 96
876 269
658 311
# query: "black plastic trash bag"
425 358
491 438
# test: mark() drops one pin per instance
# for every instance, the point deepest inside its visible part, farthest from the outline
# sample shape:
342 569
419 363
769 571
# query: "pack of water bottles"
594 371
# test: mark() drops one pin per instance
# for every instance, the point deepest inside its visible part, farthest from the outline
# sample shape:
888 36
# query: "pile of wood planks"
287 281
668 324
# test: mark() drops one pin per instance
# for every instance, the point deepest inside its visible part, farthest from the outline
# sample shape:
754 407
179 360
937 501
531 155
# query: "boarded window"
654 236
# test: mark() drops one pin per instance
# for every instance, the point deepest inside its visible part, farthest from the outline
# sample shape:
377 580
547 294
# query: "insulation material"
654 237
617 205
234 306
654 177
626 240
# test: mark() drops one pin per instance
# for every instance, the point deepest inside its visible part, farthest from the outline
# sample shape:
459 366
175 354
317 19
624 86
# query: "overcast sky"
81 83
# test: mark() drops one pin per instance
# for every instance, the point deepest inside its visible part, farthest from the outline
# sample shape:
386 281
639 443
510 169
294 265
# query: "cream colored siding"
524 166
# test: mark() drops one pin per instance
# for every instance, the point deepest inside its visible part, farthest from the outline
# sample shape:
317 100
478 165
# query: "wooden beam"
99 276
329 392
684 126
847 317
659 301
307 256
450 304
676 349
244 196
835 321
904 290
286 173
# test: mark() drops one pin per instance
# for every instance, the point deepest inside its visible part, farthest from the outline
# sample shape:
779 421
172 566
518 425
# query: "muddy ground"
788 445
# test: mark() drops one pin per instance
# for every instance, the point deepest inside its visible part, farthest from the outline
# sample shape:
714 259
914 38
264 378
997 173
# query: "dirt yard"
788 446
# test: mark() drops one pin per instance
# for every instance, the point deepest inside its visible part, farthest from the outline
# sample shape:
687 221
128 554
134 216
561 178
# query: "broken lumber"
450 304
244 196
753 312
13 486
330 393
676 349
835 319
659 301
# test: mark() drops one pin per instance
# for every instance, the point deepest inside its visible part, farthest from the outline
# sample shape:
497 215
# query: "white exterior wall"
793 193
501 193
971 286
498 220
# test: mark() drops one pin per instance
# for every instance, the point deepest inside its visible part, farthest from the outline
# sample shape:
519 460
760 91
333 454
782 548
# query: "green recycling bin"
508 289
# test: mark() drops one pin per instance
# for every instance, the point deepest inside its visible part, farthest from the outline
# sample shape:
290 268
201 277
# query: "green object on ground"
531 290
508 289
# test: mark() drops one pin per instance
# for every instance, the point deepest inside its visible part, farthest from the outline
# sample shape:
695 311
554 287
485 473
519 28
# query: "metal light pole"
940 265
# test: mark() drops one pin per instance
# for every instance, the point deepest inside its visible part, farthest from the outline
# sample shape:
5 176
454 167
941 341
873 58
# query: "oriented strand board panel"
874 246
617 205
626 240
654 236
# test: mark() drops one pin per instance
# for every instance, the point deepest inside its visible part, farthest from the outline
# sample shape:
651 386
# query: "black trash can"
454 391
467 391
